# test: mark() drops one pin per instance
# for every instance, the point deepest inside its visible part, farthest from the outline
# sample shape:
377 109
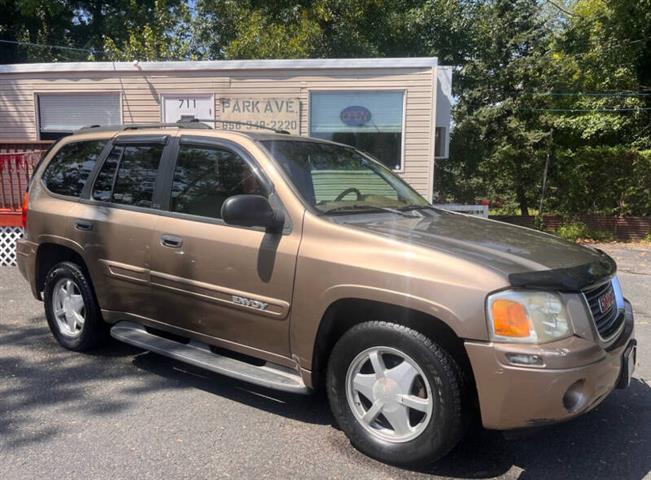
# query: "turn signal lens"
23 211
527 316
510 319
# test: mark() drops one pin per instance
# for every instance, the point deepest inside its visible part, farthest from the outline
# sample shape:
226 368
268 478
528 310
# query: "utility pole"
544 180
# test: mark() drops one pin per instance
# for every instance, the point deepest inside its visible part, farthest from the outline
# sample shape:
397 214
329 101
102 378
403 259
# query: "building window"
370 121
61 114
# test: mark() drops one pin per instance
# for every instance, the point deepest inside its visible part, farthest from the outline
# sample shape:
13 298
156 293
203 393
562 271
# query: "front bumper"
521 396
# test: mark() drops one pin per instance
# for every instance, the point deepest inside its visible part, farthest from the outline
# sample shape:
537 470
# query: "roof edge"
190 65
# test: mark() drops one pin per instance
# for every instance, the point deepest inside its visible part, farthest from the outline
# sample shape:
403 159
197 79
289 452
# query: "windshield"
339 179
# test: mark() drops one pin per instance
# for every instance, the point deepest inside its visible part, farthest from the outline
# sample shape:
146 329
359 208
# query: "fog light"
524 359
575 397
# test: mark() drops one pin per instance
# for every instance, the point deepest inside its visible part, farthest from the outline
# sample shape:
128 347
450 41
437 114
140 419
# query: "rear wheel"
71 309
396 394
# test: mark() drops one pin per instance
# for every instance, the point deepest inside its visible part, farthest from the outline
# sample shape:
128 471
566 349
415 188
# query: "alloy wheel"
68 307
389 394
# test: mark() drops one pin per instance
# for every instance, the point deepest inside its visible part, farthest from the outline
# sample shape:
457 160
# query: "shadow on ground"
614 441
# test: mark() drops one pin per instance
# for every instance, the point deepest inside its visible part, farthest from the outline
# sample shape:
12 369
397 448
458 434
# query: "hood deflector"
571 279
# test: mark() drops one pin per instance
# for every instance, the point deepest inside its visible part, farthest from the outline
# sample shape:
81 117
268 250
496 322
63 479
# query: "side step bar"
200 355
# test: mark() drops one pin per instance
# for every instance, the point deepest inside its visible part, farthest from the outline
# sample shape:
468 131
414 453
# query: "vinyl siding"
141 98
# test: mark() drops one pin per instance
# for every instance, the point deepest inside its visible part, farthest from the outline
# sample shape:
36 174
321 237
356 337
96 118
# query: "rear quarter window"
71 166
128 176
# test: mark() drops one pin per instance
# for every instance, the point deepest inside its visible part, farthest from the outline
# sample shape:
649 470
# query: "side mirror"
252 211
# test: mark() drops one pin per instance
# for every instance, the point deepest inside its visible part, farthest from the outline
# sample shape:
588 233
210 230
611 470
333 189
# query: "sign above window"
278 113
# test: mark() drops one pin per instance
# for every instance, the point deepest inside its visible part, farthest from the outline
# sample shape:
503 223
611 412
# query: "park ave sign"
278 113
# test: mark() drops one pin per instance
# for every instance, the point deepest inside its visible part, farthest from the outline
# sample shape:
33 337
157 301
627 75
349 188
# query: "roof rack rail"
194 123
235 122
136 126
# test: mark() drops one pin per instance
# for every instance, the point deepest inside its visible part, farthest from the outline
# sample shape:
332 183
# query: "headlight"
527 317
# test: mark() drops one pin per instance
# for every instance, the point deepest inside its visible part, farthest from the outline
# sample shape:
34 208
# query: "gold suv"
295 263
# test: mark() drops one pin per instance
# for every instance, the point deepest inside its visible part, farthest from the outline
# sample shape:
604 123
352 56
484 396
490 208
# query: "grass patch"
579 232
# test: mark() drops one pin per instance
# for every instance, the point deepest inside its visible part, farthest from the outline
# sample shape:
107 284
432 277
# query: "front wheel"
396 394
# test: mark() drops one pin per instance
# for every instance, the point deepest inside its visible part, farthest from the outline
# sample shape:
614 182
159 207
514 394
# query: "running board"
200 355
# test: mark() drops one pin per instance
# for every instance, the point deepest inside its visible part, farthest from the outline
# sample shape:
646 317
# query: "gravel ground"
124 413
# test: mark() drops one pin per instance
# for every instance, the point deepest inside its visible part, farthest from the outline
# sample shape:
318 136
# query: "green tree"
154 30
36 22
334 28
95 30
600 112
498 145
602 60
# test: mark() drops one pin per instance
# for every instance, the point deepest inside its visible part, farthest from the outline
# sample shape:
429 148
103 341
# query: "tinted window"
133 184
205 176
69 169
104 183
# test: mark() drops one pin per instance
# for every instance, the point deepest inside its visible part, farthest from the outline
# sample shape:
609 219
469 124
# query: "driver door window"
204 177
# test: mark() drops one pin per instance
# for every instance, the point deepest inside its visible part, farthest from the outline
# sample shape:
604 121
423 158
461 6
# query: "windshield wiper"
415 206
365 209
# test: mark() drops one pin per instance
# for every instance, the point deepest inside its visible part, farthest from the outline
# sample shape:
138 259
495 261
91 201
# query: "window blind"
69 112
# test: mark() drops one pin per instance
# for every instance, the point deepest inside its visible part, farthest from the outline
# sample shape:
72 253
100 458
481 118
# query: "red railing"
15 171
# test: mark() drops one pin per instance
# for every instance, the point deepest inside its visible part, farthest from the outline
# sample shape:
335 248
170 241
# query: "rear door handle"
171 241
83 225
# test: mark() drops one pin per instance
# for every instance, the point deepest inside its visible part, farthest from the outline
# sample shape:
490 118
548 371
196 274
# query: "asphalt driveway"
124 413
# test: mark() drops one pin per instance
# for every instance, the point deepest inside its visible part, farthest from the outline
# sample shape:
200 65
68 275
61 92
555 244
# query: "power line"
559 8
586 109
61 47
596 94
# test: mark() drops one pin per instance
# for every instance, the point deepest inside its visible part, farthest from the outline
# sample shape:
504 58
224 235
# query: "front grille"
607 322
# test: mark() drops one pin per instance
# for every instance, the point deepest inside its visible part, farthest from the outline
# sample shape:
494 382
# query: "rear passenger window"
128 175
68 171
206 176
104 184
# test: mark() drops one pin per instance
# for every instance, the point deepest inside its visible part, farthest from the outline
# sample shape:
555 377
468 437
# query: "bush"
575 231
608 180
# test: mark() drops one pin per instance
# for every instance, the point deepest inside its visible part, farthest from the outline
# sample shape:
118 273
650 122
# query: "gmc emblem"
606 301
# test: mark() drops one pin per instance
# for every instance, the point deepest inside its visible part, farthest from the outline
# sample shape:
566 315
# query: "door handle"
171 241
83 225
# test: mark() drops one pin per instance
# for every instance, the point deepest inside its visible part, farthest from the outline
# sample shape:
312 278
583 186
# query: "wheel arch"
49 254
345 313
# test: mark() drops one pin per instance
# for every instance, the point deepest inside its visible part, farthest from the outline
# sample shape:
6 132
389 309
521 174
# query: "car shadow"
612 441
305 408
38 377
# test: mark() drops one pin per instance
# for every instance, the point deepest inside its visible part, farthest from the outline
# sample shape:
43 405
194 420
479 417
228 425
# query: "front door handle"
83 225
171 241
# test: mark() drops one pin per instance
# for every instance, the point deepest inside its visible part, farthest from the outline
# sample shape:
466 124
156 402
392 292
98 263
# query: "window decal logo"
355 116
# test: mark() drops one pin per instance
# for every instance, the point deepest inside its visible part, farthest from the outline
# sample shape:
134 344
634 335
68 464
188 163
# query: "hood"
528 258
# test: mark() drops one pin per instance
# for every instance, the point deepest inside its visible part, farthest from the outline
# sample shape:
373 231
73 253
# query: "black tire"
94 331
447 423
